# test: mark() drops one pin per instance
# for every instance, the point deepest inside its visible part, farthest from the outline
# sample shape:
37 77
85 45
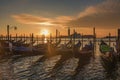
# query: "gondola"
69 47
61 49
29 49
5 49
85 52
108 57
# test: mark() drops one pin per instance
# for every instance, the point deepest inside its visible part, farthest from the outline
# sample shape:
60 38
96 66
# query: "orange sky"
63 31
32 16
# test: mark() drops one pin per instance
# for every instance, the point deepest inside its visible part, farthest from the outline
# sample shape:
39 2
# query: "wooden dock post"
21 37
32 38
37 39
69 37
118 43
110 39
59 35
68 32
74 36
24 37
82 40
94 42
56 35
50 38
0 37
7 32
16 38
10 37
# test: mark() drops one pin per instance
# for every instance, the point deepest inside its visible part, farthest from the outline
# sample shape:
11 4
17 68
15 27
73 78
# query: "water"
32 68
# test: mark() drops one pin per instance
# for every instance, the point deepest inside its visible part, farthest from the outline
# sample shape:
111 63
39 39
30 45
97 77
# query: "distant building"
76 35
111 37
88 36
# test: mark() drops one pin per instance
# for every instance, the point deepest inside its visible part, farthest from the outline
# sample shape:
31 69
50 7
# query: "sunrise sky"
33 16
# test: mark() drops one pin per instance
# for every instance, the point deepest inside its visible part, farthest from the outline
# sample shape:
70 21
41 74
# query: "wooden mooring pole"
68 32
82 40
109 39
59 36
56 35
16 38
74 36
8 32
32 38
37 39
118 43
69 37
9 37
94 42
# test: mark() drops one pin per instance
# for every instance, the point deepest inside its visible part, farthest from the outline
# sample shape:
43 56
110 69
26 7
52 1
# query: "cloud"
30 19
103 15
109 6
62 20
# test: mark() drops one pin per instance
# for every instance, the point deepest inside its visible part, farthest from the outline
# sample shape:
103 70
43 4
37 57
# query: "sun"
45 32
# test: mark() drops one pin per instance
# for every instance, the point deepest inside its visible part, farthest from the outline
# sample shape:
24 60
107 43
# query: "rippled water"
33 68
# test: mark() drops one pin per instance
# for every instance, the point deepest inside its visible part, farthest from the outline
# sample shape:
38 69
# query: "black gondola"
108 57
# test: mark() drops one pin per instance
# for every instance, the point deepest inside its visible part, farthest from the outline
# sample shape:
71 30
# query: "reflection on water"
67 70
30 68
42 69
92 71
6 70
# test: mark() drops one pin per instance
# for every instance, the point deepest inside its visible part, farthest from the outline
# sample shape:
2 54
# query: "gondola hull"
109 62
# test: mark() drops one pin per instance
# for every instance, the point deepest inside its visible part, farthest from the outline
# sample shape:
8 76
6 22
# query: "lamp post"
8 31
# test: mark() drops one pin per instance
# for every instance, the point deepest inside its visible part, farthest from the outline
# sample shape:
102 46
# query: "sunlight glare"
45 32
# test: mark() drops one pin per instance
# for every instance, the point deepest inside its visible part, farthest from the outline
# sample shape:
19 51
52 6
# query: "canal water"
34 68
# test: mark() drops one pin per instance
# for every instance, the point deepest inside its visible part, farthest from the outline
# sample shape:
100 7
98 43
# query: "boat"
108 57
117 48
85 52
57 43
29 49
71 48
5 49
59 49
6 45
